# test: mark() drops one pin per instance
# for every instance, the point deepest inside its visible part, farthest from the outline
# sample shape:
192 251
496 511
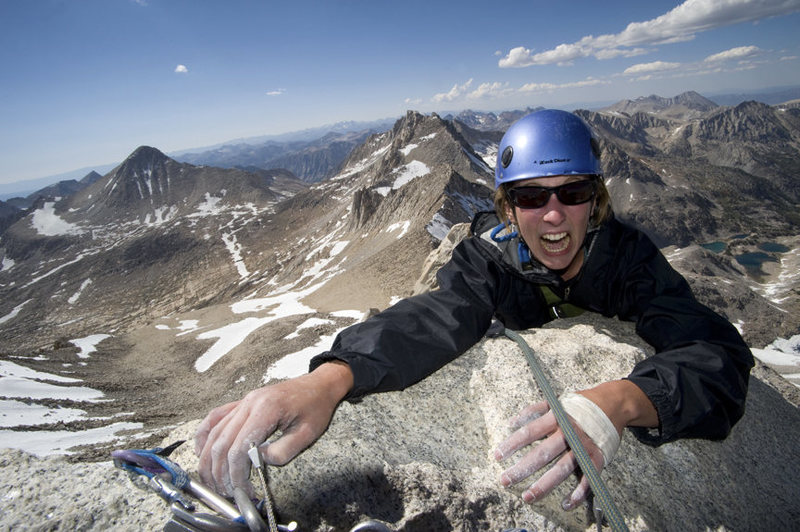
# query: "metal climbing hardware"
170 482
152 469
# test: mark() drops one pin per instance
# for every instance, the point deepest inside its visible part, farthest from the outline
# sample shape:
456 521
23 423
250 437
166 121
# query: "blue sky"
85 82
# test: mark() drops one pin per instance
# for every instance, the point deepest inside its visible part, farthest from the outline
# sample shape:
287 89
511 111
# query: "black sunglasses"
533 197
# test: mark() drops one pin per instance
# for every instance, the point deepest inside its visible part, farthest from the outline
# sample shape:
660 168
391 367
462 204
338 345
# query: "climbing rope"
602 496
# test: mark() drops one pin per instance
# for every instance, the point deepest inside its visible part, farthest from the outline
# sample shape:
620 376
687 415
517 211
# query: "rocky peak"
405 128
143 175
143 160
145 153
482 121
90 178
749 121
694 100
685 105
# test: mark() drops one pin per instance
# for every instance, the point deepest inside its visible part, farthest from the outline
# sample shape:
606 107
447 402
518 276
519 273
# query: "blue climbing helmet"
547 143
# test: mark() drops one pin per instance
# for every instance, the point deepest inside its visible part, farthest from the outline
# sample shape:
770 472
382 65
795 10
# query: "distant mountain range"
772 97
218 154
199 278
266 151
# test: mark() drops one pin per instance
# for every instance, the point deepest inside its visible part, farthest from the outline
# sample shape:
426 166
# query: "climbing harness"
607 509
557 306
168 480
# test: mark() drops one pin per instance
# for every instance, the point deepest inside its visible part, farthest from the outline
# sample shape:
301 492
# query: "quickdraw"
168 480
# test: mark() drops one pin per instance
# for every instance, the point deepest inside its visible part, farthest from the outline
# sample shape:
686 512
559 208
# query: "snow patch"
88 344
161 215
231 335
408 149
401 226
781 352
47 223
228 337
409 172
13 314
480 163
26 388
50 442
14 413
209 207
74 297
7 264
9 369
235 249
296 364
355 314
363 164
438 227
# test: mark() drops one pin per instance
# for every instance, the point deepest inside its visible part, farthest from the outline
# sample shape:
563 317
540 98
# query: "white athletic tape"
594 422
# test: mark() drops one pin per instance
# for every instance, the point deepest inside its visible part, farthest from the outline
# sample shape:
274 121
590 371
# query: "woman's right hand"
300 408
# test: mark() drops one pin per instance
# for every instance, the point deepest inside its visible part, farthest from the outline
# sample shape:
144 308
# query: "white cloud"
738 53
489 90
646 68
181 69
456 92
543 87
276 92
678 25
616 52
499 90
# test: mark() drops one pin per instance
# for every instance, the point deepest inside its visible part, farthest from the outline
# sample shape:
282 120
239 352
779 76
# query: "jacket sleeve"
412 339
698 377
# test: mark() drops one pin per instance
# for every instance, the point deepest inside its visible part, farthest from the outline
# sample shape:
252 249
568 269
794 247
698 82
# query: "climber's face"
554 231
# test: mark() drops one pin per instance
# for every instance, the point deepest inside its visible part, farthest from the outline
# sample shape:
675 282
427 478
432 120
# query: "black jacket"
697 379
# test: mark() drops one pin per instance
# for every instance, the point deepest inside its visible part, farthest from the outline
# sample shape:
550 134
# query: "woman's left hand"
621 402
536 423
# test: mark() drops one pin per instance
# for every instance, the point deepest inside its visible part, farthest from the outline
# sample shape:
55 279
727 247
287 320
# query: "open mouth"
556 242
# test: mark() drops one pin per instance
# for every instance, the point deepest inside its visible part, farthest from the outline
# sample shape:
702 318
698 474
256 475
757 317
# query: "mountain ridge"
774 97
205 278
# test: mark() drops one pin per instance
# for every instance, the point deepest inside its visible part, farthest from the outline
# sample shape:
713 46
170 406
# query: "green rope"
610 511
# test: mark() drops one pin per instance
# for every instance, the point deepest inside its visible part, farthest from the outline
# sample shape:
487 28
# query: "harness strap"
557 307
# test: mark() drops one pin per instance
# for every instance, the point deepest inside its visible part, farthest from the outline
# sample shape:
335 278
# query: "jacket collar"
504 247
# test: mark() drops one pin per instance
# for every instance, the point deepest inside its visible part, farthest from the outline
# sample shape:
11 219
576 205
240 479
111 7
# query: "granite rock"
420 459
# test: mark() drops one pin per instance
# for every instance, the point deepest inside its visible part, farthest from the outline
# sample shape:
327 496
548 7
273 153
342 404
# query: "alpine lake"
754 258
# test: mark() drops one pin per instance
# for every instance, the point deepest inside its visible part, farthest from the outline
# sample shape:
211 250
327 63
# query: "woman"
552 248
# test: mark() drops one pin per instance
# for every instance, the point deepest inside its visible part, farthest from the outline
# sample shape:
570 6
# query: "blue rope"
523 252
522 248
504 238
